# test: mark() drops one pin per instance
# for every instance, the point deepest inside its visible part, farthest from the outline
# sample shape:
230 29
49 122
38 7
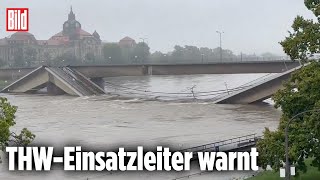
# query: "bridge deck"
60 79
166 69
81 85
256 91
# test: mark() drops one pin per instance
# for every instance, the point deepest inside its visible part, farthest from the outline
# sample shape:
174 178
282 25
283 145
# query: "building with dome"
127 42
72 40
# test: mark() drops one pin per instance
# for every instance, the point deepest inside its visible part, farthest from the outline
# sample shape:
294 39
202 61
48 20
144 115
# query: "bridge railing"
217 145
266 78
250 84
199 60
244 86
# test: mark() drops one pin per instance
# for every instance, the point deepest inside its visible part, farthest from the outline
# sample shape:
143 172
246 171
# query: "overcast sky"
250 26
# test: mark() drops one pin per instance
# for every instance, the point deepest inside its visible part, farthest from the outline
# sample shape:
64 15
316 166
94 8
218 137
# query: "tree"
141 52
2 62
268 55
159 57
46 58
90 58
67 58
18 58
24 56
112 53
304 41
30 56
178 53
300 93
186 54
192 54
7 120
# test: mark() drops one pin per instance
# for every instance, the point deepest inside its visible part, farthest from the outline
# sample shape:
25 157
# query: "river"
148 111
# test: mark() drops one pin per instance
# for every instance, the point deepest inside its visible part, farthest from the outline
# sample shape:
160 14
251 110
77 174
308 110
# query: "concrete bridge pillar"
147 70
52 89
150 70
98 81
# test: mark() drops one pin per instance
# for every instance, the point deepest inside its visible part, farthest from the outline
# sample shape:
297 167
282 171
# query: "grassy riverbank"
312 174
3 84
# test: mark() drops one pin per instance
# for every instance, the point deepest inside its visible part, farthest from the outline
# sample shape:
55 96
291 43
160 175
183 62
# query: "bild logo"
17 19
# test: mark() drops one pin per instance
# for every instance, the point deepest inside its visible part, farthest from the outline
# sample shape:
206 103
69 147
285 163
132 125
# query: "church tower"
71 27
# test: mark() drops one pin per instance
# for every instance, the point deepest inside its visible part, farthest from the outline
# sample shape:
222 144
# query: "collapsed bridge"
57 80
68 80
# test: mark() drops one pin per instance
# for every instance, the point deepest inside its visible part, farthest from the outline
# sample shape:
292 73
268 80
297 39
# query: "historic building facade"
127 42
72 40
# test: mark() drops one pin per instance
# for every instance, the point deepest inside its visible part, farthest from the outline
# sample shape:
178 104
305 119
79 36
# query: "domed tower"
71 27
71 15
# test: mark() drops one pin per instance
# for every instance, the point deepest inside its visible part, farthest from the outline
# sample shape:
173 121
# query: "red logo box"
17 19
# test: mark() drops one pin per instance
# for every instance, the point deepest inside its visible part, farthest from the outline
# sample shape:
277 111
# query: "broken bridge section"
256 91
57 80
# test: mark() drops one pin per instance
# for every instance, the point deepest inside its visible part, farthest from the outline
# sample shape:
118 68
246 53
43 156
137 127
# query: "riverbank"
3 84
312 174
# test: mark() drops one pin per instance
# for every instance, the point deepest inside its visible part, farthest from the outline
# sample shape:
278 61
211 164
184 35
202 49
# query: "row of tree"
22 57
141 54
113 53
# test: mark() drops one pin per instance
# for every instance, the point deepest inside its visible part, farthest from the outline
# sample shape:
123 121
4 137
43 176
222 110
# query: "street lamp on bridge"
220 35
202 58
